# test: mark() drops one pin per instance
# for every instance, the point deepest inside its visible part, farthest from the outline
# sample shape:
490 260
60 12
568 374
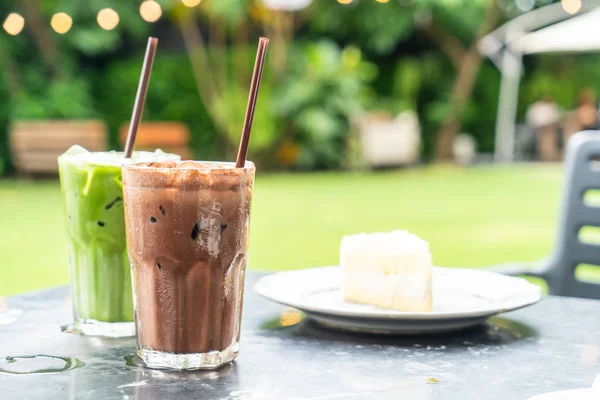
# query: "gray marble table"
553 345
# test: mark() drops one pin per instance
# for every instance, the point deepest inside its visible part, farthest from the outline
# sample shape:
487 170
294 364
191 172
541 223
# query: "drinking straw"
140 98
259 64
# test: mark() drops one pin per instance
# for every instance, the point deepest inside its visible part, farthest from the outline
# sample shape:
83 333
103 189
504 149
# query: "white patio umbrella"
578 34
547 29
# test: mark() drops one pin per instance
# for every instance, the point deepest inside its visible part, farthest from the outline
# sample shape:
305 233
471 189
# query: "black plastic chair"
582 173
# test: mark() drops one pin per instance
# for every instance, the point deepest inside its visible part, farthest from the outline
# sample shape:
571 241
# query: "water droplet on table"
38 364
68 329
132 360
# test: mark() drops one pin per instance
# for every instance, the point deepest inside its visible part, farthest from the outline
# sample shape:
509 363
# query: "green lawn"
472 217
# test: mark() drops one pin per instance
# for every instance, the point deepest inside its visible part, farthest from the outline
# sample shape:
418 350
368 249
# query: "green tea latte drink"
100 273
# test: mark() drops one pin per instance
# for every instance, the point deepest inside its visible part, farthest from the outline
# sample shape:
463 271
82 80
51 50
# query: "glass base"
188 361
91 327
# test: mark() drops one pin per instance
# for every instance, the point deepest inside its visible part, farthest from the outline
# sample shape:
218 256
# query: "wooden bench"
36 145
170 137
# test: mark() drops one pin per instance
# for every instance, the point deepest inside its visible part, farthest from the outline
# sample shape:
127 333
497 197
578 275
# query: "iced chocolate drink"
187 236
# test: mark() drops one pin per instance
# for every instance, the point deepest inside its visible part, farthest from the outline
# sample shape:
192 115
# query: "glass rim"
111 158
207 166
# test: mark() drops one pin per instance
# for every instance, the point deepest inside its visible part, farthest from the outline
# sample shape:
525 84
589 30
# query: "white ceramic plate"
461 298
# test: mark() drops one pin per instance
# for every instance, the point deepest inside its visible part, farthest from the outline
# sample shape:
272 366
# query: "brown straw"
140 98
259 64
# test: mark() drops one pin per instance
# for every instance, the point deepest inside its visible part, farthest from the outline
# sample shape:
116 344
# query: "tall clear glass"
100 274
187 236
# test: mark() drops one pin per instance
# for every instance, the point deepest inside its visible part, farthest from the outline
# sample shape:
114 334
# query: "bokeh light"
344 1
290 317
14 24
571 6
108 19
61 22
382 1
525 5
191 3
150 11
287 5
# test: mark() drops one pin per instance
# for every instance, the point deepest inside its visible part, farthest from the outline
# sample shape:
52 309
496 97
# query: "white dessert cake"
389 270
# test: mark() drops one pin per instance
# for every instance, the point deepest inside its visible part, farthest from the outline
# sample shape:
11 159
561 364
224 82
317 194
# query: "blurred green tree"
222 59
326 87
307 95
470 22
454 26
55 80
